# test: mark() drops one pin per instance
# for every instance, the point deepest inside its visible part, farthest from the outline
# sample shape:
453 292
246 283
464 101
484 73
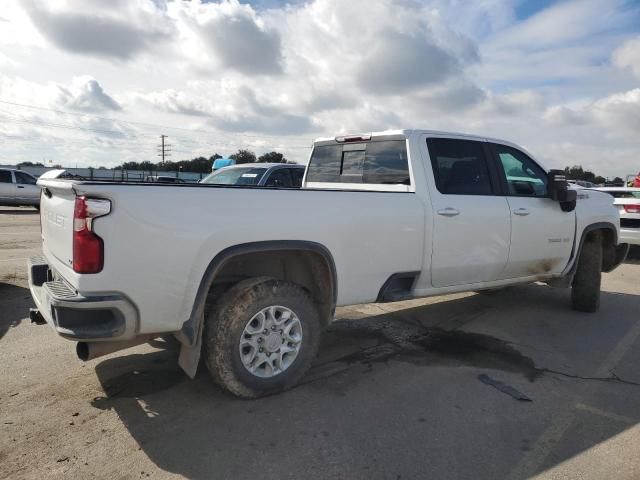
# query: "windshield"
235 176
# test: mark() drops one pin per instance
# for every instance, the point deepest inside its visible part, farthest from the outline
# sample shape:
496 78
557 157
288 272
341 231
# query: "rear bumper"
630 236
95 317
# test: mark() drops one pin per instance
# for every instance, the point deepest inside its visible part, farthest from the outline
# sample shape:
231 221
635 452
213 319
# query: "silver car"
18 188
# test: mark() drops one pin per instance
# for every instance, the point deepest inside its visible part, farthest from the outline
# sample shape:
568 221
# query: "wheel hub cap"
270 341
273 342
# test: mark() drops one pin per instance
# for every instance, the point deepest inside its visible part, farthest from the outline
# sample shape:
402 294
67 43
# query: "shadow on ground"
392 396
15 302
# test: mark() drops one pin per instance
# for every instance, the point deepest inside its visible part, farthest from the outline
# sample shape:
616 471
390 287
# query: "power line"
154 125
124 135
41 123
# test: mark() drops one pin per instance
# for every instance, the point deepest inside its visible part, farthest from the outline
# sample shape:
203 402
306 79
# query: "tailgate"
57 203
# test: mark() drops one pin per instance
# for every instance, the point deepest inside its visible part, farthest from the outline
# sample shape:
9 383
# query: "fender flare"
567 276
190 336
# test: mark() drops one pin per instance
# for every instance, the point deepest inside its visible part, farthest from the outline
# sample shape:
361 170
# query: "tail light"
88 249
632 208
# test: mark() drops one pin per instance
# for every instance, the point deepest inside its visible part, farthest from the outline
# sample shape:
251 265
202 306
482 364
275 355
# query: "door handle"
20 186
523 212
448 212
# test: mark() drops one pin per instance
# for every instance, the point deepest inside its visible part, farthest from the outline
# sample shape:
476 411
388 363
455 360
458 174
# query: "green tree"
195 165
30 164
578 173
129 166
244 156
272 157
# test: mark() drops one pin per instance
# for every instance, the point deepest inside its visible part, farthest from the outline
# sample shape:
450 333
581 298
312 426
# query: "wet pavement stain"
385 339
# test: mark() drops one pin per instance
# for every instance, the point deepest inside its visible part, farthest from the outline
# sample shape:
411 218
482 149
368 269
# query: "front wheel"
585 291
261 337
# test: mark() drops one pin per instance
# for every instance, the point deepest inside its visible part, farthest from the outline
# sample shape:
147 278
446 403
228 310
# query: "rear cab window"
379 164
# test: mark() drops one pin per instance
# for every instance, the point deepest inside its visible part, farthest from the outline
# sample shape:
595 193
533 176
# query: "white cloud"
628 56
87 95
620 111
118 30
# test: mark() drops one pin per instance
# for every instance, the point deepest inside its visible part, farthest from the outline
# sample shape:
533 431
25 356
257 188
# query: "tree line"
578 173
203 164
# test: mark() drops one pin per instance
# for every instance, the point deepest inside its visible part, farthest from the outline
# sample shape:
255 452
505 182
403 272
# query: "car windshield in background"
623 194
235 176
376 162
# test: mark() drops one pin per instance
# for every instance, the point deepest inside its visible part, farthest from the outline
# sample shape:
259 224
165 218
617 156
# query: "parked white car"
18 188
251 276
627 200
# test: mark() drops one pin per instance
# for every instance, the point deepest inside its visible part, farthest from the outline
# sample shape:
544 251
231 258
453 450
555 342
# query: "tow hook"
36 317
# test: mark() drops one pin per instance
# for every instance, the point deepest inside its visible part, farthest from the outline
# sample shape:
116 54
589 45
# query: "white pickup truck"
251 276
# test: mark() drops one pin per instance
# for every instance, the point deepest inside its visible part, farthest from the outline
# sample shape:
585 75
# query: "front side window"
24 179
459 166
524 177
279 178
381 162
5 176
296 175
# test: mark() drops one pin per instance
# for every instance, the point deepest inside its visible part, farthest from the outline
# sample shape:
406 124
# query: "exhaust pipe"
89 350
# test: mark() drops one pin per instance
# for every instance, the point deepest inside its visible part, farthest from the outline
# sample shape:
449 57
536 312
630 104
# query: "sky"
90 82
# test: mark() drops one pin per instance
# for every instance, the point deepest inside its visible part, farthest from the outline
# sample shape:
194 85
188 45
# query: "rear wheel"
261 337
585 291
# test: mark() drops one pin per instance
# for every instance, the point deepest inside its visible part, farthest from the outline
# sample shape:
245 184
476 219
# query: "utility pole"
164 149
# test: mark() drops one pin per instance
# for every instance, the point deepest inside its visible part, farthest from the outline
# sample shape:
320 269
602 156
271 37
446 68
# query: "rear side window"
459 166
377 162
5 176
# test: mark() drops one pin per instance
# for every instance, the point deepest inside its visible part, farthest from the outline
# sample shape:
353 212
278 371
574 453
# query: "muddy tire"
261 337
585 291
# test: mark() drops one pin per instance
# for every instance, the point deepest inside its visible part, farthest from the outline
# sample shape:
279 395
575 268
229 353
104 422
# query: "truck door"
541 233
27 192
471 221
7 188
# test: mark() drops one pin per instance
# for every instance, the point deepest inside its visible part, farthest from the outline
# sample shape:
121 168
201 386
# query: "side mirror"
557 182
560 192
